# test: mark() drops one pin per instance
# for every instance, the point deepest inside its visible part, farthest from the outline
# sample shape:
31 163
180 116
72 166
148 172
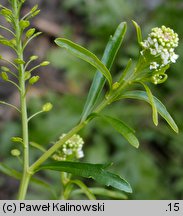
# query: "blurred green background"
155 169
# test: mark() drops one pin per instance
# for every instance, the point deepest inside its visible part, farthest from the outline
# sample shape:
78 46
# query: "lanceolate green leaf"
123 129
86 55
153 104
109 55
141 95
138 30
125 73
87 170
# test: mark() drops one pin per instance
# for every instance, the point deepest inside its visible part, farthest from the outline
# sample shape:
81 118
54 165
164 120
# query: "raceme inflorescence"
71 149
161 44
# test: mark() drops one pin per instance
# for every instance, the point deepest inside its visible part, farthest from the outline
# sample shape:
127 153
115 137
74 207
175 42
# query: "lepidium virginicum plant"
156 54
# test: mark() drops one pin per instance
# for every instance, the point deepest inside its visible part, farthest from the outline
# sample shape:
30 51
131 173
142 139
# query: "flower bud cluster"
161 42
71 149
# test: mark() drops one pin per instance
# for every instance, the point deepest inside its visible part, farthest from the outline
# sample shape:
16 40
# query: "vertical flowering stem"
19 49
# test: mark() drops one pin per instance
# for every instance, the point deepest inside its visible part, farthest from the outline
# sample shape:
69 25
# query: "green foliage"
139 33
86 55
160 107
153 104
94 171
161 141
109 55
124 130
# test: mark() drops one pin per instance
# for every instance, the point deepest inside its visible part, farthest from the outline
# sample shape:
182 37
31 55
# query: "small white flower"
72 148
161 42
142 53
154 65
68 152
173 57
146 44
156 45
171 50
64 150
165 58
158 51
153 52
79 154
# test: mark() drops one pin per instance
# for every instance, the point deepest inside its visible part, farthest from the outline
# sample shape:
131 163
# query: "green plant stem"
11 105
59 143
75 130
13 83
35 114
32 169
83 187
66 187
26 175
112 96
29 171
67 192
56 146
3 27
9 62
34 68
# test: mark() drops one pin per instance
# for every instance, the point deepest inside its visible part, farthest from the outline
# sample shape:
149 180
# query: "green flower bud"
4 76
32 58
27 75
33 79
71 149
158 50
3 68
115 85
35 13
6 12
19 61
159 78
24 24
17 139
30 32
161 43
13 42
15 152
34 8
47 107
45 63
6 42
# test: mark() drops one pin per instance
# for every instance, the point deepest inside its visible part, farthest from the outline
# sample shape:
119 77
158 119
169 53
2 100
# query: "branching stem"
3 27
8 104
35 114
19 49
